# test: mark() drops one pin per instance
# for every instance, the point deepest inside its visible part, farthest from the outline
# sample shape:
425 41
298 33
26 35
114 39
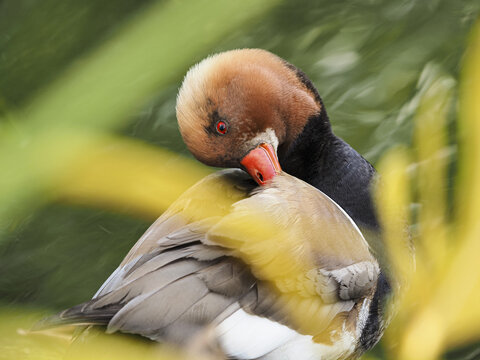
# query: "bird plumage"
276 271
255 254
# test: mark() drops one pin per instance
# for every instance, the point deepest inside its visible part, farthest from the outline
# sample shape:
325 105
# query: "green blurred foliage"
370 60
40 38
62 254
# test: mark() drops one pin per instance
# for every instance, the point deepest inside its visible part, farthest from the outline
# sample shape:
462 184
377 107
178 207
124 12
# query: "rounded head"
233 102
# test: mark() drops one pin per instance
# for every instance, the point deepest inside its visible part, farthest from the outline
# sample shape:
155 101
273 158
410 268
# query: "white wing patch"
247 337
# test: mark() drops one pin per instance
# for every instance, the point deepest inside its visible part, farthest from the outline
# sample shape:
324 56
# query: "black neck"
325 161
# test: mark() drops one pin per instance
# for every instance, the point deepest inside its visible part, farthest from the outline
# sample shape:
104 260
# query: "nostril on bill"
260 176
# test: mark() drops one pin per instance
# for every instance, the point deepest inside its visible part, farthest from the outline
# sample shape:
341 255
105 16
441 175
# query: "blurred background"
90 153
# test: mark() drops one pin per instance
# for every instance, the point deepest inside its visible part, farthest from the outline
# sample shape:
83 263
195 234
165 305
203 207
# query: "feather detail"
283 255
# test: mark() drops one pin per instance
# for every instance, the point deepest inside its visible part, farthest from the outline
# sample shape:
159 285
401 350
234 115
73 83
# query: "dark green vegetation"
370 61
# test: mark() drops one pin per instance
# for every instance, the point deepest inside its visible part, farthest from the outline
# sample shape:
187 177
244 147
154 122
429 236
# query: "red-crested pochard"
275 269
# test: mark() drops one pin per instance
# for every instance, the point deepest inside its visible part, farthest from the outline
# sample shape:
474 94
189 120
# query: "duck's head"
237 108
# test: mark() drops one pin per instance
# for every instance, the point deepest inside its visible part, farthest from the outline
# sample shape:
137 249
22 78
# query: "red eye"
221 127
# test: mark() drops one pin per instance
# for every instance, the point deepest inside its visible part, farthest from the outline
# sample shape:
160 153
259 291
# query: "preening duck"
275 268
232 102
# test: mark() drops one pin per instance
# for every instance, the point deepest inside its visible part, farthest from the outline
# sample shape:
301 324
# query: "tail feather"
82 314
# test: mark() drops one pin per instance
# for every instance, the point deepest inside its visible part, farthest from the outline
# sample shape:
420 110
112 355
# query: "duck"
278 256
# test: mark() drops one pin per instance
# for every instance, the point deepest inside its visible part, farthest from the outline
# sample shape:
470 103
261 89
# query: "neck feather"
325 161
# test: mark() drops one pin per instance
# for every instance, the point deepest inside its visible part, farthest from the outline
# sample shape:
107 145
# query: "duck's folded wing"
186 221
170 293
172 283
168 299
188 271
310 263
178 307
302 242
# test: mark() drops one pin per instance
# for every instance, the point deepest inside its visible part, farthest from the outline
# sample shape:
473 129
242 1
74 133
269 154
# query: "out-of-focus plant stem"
127 175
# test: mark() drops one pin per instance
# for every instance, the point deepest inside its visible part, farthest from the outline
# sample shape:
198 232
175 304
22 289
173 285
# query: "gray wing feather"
175 280
151 312
192 301
150 282
347 283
